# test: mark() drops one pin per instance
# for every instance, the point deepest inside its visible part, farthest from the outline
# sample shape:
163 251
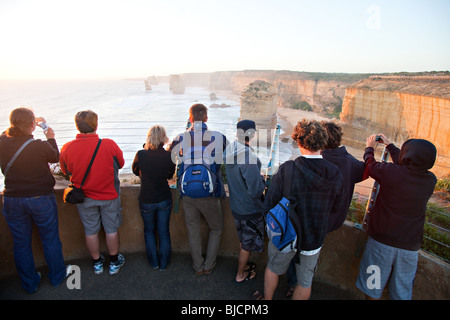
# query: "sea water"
126 110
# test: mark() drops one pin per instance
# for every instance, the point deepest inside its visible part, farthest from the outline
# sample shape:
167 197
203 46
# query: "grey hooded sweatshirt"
245 182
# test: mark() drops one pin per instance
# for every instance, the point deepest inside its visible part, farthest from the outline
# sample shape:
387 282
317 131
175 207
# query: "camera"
378 139
43 125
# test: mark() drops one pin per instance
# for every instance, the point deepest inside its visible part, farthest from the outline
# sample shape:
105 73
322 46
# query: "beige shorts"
279 262
95 213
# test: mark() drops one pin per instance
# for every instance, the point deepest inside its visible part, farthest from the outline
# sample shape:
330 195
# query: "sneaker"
98 266
40 276
68 270
114 267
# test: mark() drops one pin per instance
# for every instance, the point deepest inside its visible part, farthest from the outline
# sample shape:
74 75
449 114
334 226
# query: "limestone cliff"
177 85
258 103
323 91
401 109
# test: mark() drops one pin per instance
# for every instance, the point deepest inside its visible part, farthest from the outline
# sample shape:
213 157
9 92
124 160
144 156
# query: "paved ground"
138 281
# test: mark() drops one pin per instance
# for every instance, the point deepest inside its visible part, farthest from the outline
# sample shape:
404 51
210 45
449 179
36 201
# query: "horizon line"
141 77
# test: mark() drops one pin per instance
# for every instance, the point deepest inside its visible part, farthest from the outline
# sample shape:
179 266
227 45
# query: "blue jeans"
156 217
20 213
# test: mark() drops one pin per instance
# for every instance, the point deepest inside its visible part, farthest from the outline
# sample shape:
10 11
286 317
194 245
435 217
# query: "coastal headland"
400 105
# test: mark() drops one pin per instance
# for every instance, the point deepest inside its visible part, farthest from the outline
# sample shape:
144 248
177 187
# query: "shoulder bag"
282 226
73 194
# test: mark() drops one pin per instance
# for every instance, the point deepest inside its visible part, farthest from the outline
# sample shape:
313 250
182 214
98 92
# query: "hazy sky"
136 38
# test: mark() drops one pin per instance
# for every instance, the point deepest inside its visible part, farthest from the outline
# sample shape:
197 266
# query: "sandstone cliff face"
177 85
400 116
258 103
292 87
323 91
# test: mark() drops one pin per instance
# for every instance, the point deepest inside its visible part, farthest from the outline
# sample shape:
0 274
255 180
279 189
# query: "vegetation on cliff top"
432 84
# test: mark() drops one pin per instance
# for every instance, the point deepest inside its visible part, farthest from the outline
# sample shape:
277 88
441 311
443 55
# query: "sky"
91 39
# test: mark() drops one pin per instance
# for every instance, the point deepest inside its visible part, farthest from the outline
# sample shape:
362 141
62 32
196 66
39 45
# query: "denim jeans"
156 217
20 213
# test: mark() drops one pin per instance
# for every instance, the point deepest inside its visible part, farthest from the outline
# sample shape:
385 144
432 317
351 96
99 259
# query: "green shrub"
302 105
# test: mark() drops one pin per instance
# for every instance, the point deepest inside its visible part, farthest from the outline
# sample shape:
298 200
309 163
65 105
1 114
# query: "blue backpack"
282 225
197 178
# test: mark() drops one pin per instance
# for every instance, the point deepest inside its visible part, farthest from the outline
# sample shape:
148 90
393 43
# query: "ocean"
126 110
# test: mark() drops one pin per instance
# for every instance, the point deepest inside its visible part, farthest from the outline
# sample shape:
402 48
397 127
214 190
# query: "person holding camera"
28 197
396 225
101 205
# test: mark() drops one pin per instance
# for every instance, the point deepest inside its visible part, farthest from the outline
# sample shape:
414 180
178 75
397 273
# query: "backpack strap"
288 172
16 155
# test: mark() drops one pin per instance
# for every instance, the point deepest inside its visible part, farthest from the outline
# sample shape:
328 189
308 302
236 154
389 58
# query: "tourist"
396 224
352 171
101 206
209 146
154 166
246 187
316 187
29 197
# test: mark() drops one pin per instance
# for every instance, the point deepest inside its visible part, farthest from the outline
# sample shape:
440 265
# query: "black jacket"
406 185
353 172
154 167
317 187
29 176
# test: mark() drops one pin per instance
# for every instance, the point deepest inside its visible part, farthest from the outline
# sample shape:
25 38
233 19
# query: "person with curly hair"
317 188
351 168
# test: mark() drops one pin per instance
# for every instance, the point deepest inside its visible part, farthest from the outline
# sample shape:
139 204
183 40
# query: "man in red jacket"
101 205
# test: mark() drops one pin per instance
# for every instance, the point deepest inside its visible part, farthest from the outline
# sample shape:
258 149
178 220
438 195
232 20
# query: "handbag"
282 226
73 194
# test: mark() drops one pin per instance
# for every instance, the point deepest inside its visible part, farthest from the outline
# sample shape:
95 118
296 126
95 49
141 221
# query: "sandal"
289 292
251 266
258 295
250 273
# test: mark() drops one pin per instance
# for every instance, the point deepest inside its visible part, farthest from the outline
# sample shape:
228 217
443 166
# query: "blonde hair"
156 136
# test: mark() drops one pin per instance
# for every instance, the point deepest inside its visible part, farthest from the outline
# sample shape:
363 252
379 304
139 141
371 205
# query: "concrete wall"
338 264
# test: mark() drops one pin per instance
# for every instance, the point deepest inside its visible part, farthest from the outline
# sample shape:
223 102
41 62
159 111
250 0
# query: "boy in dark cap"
396 225
246 187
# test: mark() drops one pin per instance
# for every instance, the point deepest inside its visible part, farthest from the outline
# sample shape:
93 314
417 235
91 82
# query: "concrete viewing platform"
334 279
138 281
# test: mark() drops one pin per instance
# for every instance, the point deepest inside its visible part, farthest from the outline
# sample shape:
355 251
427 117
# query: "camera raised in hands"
378 139
43 125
